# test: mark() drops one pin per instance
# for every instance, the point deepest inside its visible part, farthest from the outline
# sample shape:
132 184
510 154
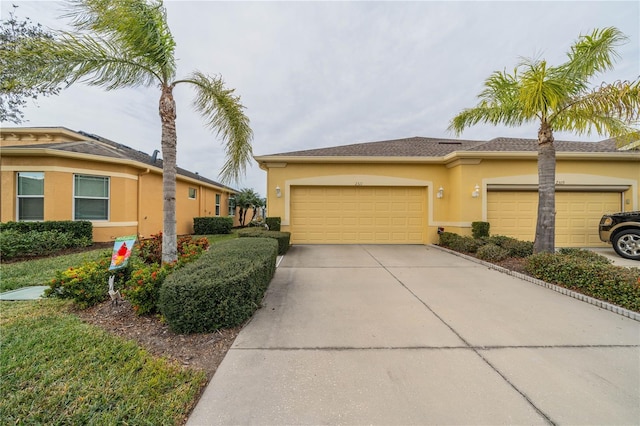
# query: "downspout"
140 219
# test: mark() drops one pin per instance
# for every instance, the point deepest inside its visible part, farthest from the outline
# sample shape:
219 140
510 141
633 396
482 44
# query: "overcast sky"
320 74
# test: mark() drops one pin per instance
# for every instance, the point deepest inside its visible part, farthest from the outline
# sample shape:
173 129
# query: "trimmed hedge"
16 243
223 288
283 238
480 229
273 223
585 272
459 243
212 225
492 253
515 247
78 229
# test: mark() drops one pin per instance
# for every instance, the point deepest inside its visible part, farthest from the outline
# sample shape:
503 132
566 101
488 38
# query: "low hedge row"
15 243
283 238
81 229
223 288
493 248
212 225
590 274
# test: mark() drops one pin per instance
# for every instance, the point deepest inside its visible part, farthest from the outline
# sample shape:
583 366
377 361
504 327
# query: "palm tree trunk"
169 142
546 225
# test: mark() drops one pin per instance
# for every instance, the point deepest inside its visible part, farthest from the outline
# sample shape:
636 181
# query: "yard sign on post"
121 252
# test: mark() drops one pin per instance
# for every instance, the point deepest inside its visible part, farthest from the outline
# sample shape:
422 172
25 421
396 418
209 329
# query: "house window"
30 196
192 193
217 204
90 197
232 206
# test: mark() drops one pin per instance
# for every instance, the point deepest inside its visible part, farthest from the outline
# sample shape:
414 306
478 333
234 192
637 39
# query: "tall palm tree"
559 98
128 43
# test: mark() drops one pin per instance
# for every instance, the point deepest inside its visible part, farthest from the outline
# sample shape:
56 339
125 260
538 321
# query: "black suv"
622 230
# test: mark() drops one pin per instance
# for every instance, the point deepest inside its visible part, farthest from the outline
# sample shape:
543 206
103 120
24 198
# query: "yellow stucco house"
401 191
59 174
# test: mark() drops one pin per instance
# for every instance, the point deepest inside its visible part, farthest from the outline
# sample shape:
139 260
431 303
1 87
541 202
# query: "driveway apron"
402 335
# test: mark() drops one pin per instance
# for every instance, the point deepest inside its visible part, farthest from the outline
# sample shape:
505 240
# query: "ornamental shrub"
480 229
211 225
142 290
515 247
88 284
577 270
81 229
459 243
283 238
273 223
14 242
492 253
150 249
222 288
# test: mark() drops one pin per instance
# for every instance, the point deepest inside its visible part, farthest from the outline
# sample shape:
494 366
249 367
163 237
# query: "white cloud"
315 74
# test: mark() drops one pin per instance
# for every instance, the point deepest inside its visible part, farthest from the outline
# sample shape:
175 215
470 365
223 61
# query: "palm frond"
136 26
92 60
611 109
593 53
224 114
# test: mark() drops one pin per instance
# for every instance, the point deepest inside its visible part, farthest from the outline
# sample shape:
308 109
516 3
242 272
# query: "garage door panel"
358 215
577 215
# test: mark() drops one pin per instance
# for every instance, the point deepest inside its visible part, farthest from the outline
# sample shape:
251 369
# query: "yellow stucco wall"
457 209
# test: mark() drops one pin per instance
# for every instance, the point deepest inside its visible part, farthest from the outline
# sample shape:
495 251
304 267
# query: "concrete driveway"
413 335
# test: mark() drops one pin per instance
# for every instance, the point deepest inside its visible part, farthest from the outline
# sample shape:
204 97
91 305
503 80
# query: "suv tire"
627 243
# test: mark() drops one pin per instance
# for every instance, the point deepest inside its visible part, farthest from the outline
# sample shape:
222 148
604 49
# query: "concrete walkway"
406 335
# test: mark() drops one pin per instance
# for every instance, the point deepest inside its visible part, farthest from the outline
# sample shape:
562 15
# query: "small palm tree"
559 99
127 43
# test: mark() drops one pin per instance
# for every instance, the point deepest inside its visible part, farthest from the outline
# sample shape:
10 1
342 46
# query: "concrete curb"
596 302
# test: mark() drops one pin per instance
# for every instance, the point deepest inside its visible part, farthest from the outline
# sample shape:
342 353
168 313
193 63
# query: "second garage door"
577 215
358 215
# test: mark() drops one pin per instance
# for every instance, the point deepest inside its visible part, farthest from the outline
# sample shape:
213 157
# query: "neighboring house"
55 173
401 191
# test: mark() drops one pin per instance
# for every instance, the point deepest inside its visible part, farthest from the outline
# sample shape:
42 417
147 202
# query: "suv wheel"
627 244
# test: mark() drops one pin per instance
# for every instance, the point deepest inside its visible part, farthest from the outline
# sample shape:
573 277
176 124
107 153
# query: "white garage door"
577 215
358 215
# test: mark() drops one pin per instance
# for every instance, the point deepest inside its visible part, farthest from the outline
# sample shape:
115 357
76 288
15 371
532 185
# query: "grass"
55 369
41 271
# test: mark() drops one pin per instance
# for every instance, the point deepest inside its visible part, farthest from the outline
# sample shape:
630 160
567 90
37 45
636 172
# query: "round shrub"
492 253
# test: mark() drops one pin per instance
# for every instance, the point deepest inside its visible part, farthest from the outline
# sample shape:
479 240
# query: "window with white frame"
232 206
192 193
90 197
217 204
30 192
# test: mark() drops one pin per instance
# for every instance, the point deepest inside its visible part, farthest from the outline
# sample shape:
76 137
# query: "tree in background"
248 199
15 35
559 98
128 43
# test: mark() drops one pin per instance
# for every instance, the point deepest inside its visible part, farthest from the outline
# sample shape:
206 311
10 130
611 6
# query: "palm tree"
128 43
247 199
559 98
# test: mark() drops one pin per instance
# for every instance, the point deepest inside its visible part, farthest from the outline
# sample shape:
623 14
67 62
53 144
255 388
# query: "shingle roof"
433 147
96 145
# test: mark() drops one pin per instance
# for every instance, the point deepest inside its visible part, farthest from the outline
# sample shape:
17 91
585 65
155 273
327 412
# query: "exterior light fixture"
476 192
278 192
440 192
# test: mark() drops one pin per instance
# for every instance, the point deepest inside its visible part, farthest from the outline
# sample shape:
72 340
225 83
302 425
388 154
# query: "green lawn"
55 369
41 271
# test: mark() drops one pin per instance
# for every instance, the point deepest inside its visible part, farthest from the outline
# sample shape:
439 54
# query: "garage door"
577 215
358 215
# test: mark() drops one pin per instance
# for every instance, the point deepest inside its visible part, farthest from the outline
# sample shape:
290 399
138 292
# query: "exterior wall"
458 208
135 192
